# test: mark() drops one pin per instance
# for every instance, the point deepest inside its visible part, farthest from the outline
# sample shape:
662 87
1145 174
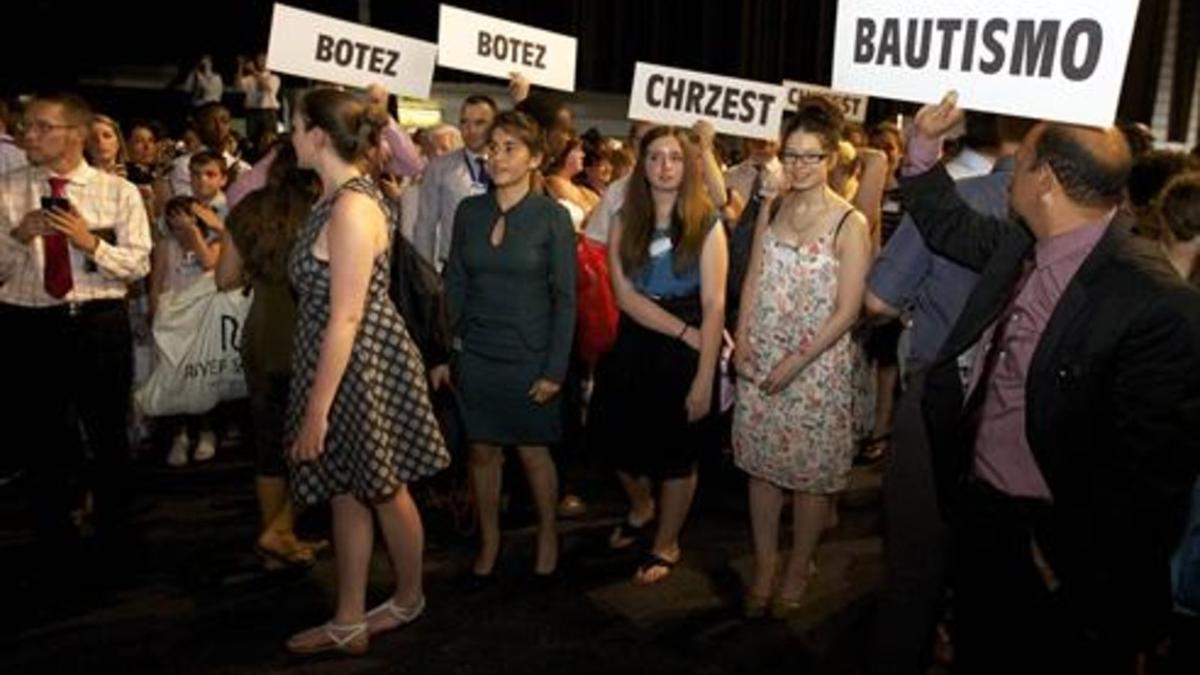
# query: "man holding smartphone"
71 240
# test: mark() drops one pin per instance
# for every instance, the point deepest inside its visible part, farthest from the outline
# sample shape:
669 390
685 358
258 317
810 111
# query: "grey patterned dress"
382 430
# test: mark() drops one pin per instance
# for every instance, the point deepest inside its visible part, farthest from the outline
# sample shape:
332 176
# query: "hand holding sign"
518 87
934 121
377 96
705 133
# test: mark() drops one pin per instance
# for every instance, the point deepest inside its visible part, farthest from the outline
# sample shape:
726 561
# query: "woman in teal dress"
510 283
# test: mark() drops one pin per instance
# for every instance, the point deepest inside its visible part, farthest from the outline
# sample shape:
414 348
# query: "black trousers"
68 376
1006 618
912 598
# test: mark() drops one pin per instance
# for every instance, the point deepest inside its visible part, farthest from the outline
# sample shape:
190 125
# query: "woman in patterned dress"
792 424
359 422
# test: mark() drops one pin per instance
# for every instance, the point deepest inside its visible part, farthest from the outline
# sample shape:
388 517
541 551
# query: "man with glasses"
71 241
759 156
452 177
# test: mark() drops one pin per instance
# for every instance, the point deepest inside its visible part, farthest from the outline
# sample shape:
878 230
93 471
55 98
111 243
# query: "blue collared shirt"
910 277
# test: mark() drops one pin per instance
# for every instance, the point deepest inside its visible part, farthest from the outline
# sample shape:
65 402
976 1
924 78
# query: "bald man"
1064 460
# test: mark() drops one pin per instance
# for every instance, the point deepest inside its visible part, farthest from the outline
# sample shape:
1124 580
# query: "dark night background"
758 39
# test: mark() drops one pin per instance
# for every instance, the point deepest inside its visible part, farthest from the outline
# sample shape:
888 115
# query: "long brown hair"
266 222
690 218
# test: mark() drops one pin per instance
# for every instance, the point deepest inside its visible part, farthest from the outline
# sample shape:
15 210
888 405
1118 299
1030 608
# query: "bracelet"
683 332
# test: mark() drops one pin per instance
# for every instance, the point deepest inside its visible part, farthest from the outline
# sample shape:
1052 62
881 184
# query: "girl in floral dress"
792 424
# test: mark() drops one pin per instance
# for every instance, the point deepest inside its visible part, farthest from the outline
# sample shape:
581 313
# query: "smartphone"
60 203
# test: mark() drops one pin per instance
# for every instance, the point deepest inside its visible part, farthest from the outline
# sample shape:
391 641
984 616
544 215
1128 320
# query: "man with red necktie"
71 241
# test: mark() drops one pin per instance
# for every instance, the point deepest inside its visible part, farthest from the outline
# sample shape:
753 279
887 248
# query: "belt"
73 310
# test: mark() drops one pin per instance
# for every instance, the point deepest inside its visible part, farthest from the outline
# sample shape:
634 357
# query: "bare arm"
854 261
714 178
871 184
355 230
714 267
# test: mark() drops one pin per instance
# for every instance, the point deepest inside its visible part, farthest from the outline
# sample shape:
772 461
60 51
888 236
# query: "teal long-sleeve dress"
512 310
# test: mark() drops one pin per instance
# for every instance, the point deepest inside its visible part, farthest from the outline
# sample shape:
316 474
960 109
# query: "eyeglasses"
42 128
807 158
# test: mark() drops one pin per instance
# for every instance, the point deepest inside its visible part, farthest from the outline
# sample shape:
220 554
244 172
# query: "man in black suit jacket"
1062 522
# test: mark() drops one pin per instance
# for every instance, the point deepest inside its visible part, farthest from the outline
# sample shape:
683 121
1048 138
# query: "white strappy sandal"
351 638
390 616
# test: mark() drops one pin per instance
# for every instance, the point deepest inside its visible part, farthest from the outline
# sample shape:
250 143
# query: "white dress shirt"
968 164
447 180
11 157
114 212
261 94
205 87
606 210
741 176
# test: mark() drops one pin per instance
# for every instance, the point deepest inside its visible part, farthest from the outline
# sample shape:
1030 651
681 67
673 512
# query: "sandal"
871 450
274 560
649 562
346 638
390 616
755 606
783 608
627 534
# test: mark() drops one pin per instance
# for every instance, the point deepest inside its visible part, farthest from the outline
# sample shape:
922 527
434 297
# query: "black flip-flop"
872 449
649 562
636 534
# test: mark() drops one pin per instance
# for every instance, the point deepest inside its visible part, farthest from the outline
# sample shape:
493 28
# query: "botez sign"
482 44
1054 59
332 50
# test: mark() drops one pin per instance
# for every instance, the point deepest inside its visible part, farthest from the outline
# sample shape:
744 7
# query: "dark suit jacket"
1112 404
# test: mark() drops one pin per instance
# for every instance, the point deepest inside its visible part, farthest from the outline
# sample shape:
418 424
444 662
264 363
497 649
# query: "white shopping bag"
197 337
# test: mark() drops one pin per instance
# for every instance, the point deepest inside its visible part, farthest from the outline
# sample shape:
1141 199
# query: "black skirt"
637 417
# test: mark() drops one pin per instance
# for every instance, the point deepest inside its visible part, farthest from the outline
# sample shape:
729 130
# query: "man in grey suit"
450 178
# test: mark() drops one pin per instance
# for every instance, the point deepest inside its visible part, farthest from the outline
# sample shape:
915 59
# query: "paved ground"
195 600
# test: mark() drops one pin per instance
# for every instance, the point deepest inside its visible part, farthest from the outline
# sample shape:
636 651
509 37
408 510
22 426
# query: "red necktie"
56 275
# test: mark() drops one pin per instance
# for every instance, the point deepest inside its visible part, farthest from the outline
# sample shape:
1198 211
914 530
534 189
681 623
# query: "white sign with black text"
1062 60
853 106
331 50
681 97
478 43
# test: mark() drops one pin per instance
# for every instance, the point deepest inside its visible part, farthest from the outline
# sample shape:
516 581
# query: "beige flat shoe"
390 616
349 639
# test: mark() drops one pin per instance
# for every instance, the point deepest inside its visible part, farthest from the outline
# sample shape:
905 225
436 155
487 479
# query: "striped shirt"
114 211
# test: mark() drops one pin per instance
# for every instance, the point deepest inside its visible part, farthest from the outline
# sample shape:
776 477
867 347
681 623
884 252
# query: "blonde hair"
122 153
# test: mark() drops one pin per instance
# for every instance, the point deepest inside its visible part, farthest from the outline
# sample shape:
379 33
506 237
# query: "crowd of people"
1008 319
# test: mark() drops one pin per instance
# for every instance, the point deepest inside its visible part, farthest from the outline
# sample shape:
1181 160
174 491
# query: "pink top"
1002 454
